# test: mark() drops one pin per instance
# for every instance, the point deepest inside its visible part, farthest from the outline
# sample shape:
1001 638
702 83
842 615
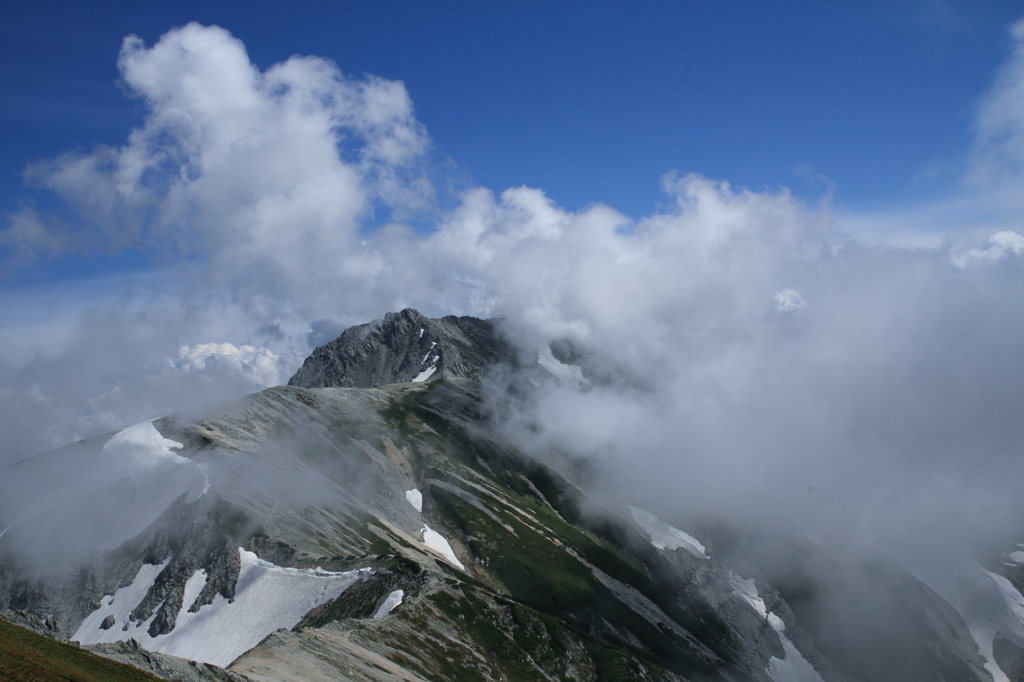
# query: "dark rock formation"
404 346
163 666
190 541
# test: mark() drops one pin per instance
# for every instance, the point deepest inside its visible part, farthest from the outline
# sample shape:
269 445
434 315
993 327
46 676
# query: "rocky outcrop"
406 347
169 668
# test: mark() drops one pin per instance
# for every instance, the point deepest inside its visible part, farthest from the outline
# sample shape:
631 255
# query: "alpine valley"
373 520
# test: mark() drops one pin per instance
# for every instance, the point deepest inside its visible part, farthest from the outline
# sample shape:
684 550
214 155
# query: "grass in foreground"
28 657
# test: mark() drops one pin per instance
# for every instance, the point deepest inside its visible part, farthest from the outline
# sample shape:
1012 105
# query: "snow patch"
392 601
160 476
436 542
664 536
988 603
1018 557
747 592
421 333
119 605
567 374
415 498
425 374
793 668
153 477
1008 623
267 597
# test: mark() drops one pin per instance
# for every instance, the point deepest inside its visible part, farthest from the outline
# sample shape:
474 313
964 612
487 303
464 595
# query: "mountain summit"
406 347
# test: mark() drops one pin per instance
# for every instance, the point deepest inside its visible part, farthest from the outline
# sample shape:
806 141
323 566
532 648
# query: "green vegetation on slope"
28 657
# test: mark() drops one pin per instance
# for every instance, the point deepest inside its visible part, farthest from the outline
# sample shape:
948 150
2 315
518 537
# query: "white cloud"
903 371
789 300
1001 245
257 365
264 175
998 155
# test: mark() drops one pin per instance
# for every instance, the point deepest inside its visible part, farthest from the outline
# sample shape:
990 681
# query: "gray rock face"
163 666
403 347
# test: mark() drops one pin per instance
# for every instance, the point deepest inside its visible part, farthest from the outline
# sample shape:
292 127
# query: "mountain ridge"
396 532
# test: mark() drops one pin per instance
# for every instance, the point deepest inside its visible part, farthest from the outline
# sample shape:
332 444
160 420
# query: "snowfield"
988 603
389 605
664 536
436 542
267 597
415 498
425 374
794 667
570 375
160 476
146 472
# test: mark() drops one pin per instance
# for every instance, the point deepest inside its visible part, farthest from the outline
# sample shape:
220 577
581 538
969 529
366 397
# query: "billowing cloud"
742 353
262 175
1000 245
258 365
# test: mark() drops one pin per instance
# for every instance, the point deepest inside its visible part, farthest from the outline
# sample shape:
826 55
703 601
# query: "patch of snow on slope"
664 536
568 374
392 601
119 605
415 498
1018 557
436 542
988 603
160 476
267 597
747 592
793 668
421 333
1007 623
424 375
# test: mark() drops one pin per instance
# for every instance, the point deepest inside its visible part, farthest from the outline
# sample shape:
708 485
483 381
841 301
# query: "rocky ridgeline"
403 347
503 562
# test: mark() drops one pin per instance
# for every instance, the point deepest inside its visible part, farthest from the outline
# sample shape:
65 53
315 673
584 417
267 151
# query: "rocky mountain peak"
406 347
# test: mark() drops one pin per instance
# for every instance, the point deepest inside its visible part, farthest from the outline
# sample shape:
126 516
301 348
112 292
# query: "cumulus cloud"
1000 245
258 365
264 175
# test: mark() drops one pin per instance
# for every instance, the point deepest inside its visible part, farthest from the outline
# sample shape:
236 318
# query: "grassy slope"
28 657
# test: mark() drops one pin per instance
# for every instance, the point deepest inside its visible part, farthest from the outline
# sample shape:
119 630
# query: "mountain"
373 521
406 347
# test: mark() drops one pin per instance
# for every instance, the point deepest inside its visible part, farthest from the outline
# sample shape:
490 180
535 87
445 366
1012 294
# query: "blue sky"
188 212
589 101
